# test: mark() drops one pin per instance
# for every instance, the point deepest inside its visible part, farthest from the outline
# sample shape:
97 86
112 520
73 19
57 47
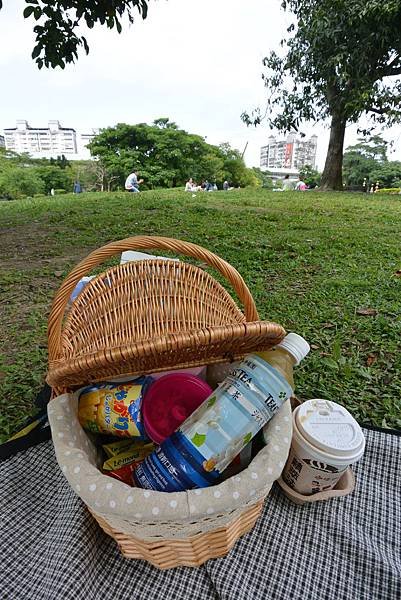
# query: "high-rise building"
53 140
291 153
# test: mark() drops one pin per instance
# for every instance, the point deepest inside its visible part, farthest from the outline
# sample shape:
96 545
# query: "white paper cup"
326 440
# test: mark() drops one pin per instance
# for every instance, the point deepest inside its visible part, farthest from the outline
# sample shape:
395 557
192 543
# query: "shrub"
59 191
20 182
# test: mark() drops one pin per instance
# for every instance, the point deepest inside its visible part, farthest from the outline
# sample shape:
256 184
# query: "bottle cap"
296 345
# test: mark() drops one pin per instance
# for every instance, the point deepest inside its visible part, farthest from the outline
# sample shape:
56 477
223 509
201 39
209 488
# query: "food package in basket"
114 408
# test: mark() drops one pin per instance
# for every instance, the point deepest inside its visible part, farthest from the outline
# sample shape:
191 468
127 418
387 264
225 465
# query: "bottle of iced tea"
206 443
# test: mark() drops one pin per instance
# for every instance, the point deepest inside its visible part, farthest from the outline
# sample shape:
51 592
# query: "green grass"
311 261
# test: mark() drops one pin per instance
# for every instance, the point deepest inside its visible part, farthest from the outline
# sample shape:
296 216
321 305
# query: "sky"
198 62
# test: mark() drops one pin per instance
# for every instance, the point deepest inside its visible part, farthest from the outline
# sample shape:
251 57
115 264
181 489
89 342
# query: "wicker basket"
148 316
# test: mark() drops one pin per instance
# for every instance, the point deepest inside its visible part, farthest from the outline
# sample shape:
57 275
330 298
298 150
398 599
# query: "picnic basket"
149 316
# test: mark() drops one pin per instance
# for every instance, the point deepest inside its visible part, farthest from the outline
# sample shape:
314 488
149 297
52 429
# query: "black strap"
39 433
43 397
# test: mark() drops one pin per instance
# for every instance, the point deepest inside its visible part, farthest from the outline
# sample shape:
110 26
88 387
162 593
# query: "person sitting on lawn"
132 183
301 185
287 184
189 186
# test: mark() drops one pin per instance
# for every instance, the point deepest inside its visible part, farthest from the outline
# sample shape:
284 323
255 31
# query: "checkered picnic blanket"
345 549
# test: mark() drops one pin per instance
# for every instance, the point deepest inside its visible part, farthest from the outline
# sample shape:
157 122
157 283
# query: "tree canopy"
58 37
366 163
21 175
166 156
163 154
341 59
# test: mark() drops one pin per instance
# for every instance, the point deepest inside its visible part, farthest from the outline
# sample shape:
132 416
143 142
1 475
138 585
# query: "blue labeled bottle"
197 453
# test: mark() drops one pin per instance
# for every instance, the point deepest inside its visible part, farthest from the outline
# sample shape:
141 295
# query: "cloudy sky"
195 61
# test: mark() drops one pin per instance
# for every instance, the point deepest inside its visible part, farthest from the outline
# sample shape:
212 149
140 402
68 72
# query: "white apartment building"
2 141
53 140
85 139
291 153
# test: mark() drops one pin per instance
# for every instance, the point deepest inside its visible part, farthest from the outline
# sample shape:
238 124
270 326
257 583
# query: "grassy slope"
311 261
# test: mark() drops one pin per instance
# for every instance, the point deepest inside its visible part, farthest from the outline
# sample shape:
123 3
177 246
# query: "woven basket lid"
149 316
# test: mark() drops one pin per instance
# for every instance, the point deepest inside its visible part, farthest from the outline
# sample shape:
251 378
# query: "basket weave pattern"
151 316
144 317
191 551
144 522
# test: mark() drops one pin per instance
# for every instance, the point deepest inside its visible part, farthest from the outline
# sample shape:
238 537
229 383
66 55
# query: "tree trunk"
332 178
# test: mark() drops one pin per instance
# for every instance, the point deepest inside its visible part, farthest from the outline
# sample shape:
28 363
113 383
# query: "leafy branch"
57 36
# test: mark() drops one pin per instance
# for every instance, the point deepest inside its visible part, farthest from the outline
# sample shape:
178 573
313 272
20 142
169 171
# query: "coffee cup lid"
330 428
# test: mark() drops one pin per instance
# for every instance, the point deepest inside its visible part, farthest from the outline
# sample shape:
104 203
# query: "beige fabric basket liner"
152 515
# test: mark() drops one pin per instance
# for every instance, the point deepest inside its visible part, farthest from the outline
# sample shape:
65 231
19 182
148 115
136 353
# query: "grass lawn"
314 263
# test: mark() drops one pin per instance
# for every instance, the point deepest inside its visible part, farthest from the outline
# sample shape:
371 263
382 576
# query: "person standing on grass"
132 183
77 187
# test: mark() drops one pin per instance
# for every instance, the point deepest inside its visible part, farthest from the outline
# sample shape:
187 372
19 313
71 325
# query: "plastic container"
326 441
209 440
293 346
169 401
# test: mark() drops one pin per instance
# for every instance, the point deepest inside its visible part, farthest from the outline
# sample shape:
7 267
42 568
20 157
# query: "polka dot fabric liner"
148 514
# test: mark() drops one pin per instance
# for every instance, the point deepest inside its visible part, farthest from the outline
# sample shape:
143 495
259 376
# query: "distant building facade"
291 153
46 142
86 138
53 140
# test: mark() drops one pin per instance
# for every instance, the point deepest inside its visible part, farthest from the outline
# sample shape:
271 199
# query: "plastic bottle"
208 441
287 355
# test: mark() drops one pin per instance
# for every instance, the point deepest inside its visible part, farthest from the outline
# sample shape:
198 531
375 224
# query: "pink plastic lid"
169 401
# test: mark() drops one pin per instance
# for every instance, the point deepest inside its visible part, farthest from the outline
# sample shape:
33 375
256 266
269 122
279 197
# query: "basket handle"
139 243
